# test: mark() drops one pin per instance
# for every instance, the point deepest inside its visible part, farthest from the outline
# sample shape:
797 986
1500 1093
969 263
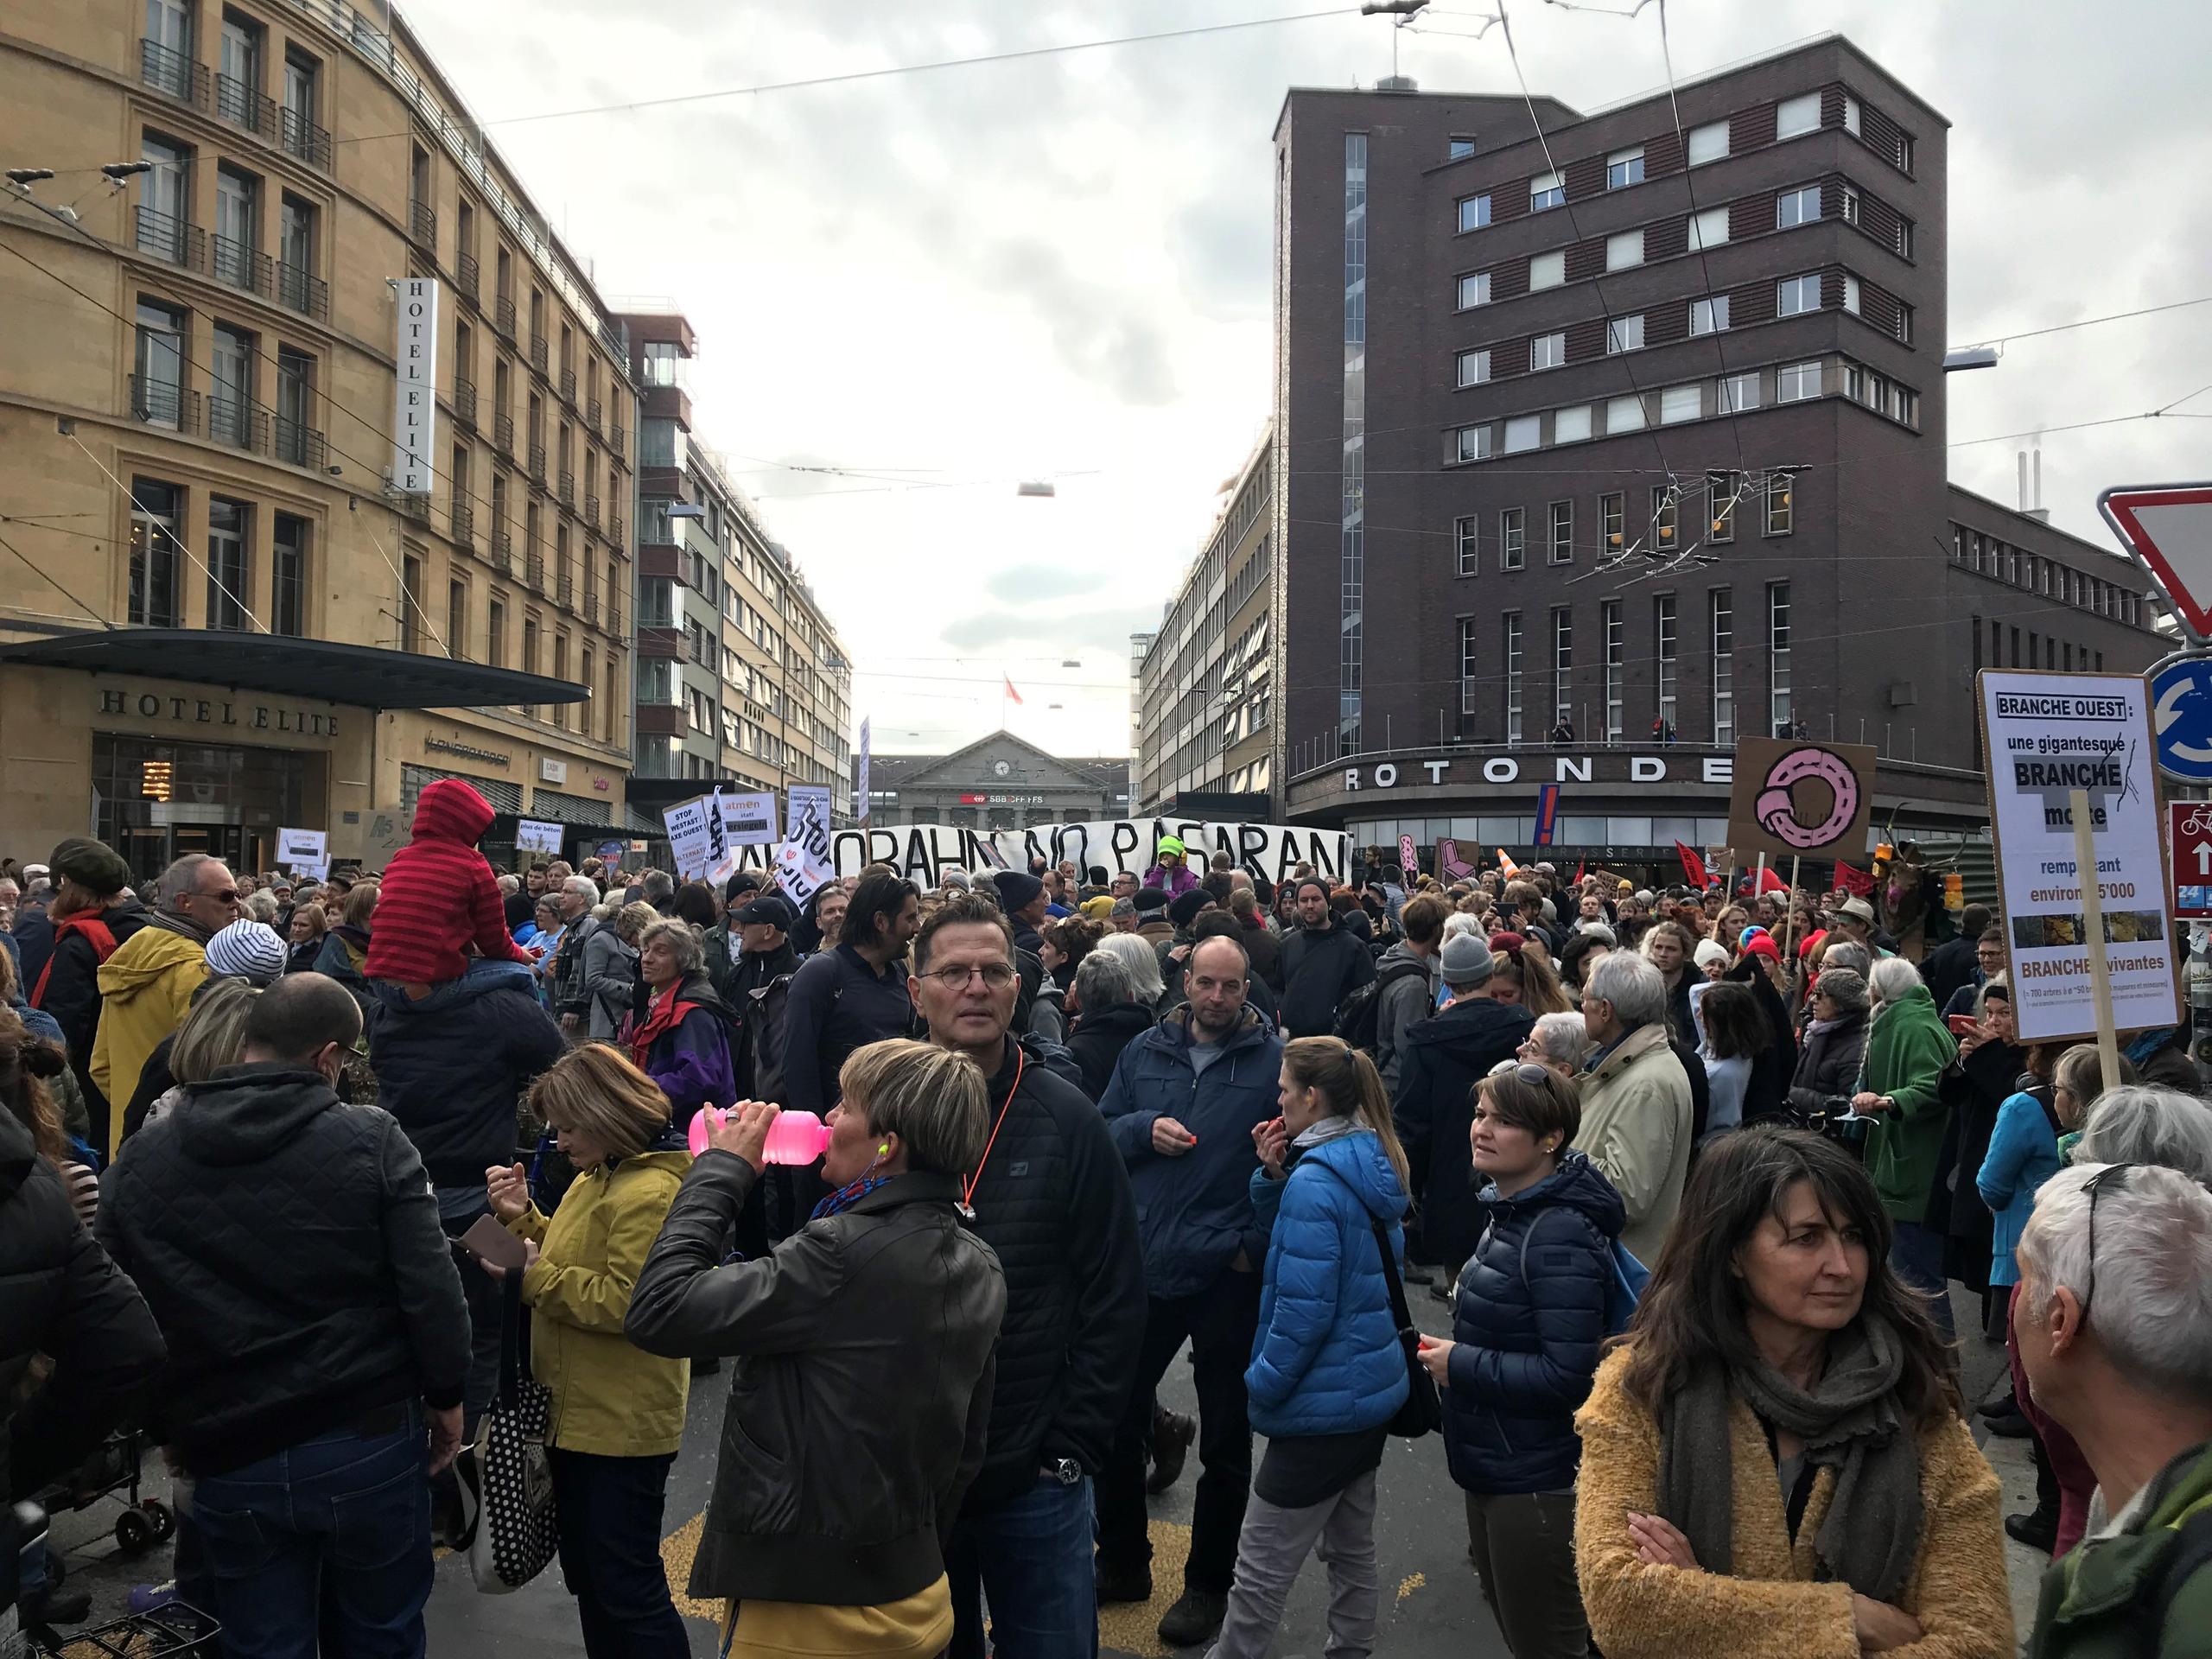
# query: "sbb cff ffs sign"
2189 824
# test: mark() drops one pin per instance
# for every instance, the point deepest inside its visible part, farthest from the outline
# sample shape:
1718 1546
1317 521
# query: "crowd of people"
1695 1178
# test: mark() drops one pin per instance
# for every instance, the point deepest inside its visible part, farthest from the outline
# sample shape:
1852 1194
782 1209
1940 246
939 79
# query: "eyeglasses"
996 975
2093 1186
227 896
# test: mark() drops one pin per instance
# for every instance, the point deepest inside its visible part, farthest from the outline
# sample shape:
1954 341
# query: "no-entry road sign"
2168 529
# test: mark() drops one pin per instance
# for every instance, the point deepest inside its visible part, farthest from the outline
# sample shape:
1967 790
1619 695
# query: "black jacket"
1974 1087
837 1003
856 1416
1443 1059
751 971
72 994
1948 966
453 1067
1828 1063
1099 1038
1265 950
290 1247
1319 969
1052 1199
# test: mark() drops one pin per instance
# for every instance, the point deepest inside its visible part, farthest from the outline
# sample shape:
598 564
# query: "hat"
1097 909
1708 952
1628 886
32 872
1168 848
1017 889
1744 940
767 907
1764 946
743 881
247 950
1152 899
1183 909
1466 961
90 863
1847 985
952 876
1858 909
1644 896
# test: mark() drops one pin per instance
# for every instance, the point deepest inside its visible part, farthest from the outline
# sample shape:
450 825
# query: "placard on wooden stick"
1796 799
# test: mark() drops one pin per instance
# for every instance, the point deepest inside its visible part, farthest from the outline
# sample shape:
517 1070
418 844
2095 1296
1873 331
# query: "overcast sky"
1057 268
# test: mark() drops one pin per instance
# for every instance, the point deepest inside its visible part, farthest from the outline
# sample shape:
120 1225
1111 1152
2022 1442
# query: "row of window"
231 535
2039 573
233 412
2044 650
1771 499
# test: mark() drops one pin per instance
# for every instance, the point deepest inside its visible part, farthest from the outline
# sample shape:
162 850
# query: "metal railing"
614 440
244 106
464 401
503 433
301 138
564 591
566 489
242 265
591 610
423 223
164 238
568 385
416 507
537 461
614 529
163 403
591 511
171 73
534 572
303 291
538 356
298 444
593 412
503 552
466 272
463 518
614 620
503 315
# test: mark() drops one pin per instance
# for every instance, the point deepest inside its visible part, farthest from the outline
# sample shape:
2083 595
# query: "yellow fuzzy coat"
1771 1607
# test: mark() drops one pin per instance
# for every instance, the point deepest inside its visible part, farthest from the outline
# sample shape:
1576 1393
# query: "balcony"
503 433
422 224
591 511
503 315
301 138
614 620
591 610
163 403
243 106
538 356
593 412
464 401
568 387
465 273
614 440
502 555
538 462
614 530
172 73
564 591
462 515
244 424
416 507
243 265
566 489
171 239
304 292
534 572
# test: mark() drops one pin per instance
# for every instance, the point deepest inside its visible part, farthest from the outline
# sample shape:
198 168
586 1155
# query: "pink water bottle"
794 1138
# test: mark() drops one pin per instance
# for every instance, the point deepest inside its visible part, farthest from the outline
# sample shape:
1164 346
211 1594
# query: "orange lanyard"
968 1192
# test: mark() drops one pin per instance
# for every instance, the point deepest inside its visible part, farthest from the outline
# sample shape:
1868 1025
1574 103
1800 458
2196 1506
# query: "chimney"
2039 511
2022 503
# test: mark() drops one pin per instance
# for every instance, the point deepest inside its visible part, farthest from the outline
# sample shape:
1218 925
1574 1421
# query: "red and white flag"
1010 692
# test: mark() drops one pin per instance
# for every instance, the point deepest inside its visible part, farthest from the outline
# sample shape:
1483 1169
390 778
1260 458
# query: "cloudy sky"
1056 267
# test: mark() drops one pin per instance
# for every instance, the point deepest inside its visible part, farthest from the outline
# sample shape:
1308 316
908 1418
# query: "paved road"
1433 1608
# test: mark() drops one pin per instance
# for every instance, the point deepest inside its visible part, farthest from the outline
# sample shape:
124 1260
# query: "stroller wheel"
163 1518
135 1532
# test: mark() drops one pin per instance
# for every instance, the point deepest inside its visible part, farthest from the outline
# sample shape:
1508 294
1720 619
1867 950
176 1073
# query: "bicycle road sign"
2190 823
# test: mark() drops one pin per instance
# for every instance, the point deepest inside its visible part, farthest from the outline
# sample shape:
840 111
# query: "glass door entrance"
156 802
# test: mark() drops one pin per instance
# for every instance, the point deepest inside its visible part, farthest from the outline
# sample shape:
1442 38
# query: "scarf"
1848 1421
1816 1028
663 1014
177 924
849 1195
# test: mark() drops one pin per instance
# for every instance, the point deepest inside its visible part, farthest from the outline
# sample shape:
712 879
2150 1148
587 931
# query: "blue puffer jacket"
1326 1359
1194 1211
1528 1319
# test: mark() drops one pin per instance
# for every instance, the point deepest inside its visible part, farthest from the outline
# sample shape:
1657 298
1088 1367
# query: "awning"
645 824
500 794
324 670
572 810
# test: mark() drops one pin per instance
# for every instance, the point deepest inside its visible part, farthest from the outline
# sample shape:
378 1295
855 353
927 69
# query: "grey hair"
181 878
657 885
1601 933
261 905
1847 953
510 885
1562 1036
1134 952
1893 977
2152 1308
1461 921
1102 981
1636 988
584 885
2142 1123
682 940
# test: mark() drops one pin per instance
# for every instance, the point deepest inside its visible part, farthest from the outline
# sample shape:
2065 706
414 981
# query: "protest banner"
532 835
1792 798
919 851
801 801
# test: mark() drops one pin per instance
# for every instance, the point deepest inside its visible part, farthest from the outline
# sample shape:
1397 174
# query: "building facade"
310 368
1626 439
999 782
741 676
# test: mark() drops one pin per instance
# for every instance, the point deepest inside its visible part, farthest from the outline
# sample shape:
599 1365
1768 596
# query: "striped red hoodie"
439 893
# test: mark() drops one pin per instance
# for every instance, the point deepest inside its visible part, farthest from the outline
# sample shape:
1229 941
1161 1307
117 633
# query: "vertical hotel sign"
415 417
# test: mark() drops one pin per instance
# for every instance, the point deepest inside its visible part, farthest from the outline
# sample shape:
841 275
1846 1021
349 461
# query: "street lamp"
1969 357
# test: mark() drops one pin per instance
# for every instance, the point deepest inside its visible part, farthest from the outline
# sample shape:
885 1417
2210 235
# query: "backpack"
1624 1290
1359 1015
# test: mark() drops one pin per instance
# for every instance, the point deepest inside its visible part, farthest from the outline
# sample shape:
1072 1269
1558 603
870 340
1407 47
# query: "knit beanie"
1183 909
1466 963
247 950
1708 953
1151 899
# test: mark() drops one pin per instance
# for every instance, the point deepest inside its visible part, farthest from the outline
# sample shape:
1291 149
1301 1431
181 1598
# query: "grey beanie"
1467 961
1845 986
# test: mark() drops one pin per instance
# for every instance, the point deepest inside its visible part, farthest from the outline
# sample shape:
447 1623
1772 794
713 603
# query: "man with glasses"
2113 1321
1956 964
1050 1197
1184 1099
842 999
146 987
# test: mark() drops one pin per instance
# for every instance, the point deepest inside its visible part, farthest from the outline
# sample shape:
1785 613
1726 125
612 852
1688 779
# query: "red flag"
1010 691
1858 883
1580 867
1693 867
1770 882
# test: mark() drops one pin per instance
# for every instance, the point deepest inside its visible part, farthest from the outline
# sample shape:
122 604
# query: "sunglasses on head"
2117 1175
1535 1075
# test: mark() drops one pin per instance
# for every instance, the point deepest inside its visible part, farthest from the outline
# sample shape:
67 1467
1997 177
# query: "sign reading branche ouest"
2045 736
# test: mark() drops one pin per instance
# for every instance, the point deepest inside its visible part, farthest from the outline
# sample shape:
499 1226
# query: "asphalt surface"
1431 1604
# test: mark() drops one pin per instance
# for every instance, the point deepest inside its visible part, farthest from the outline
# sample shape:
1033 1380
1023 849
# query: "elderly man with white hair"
1637 1108
569 994
2114 1327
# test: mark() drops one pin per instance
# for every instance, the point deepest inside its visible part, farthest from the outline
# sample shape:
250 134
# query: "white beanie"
1708 953
247 950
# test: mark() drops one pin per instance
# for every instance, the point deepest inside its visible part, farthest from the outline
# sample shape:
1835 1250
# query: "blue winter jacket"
1529 1319
2023 1154
1194 1209
1326 1359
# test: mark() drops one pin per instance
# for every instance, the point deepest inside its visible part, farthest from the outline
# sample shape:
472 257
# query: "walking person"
1908 1046
1327 1372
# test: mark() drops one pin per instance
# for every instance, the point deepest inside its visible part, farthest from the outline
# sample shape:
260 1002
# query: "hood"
18 1152
1576 1184
1916 1003
1176 1025
1356 1159
670 1150
1477 1023
482 977
246 1114
1122 1020
1403 952
152 954
450 809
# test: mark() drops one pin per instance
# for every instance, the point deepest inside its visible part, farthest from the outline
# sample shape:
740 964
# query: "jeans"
608 1514
1220 1322
333 1534
1274 1545
1031 1558
1522 1545
1916 1253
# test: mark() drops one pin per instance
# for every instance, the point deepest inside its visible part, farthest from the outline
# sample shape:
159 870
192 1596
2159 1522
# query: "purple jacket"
691 1064
1181 881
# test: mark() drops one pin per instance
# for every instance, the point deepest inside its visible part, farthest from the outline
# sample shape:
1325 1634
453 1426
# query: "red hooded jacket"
439 893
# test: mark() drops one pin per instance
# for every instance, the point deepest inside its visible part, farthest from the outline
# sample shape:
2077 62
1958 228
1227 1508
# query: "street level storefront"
1623 807
167 741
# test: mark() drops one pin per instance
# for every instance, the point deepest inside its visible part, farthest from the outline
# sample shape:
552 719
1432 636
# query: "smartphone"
488 1239
1963 1025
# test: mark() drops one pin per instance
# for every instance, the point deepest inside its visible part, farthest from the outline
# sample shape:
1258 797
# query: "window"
529 644
1850 114
1545 190
495 635
1474 213
1608 619
1562 664
1851 293
1708 229
1472 367
411 603
1779 708
1624 167
1798 206
1467 660
1463 145
1850 216
295 407
287 575
1512 538
660 365
1547 352
1666 506
167 67
1680 404
1794 382
1720 491
1781 504
237 208
1624 414
164 200
1739 392
1546 270
295 252
660 443
1467 537
1709 317
228 524
1624 334
238 72
157 381
1560 544
1513 677
1708 143
1624 250
1795 117
456 618
1613 528
1571 425
1474 443
1523 432
1723 636
1794 296
230 388
155 553
1474 291
1662 609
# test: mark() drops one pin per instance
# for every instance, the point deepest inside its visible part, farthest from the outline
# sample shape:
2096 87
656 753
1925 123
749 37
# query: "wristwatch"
1066 1471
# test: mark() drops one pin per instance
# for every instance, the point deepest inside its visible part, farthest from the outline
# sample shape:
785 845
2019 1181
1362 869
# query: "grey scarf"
1872 1531
176 924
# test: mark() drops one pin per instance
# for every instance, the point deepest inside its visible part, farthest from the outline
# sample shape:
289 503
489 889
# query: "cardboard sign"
304 852
534 835
1408 860
1793 799
693 830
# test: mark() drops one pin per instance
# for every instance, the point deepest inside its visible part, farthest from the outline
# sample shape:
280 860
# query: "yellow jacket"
146 990
1771 1608
610 1398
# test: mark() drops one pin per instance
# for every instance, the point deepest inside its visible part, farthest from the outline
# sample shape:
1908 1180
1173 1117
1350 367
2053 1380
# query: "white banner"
804 863
749 820
534 835
694 831
918 852
860 796
415 414
2048 735
305 852
802 803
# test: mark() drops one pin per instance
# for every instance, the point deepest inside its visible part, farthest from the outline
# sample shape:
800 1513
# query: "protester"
1526 976
1588 946
1113 1014
1637 1113
1667 946
1154 925
567 984
1529 1324
617 1411
346 946
1558 1044
763 923
1183 1100
439 896
211 1037
823 915
686 1039
1956 963
1827 1073
865 1368
852 996
610 968
1259 940
308 924
1323 963
1907 1048
1327 1373
303 1360
1170 872
1733 1033
1407 980
1779 1469
91 914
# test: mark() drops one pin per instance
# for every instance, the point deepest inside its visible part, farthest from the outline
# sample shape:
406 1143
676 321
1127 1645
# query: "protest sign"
533 835
305 852
694 828
749 820
919 851
799 801
1796 799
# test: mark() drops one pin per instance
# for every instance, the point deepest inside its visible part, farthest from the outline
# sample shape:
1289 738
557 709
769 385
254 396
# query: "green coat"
1907 1049
2094 1600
